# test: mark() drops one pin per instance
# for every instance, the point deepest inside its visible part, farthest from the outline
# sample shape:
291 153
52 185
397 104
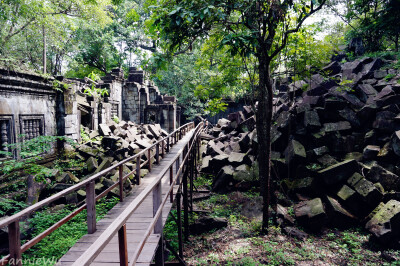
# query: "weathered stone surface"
91 164
236 159
142 143
332 69
223 179
311 120
244 173
339 126
385 224
110 142
346 193
304 186
395 143
283 215
327 160
365 91
294 152
87 151
93 134
34 189
295 232
340 217
104 165
370 152
388 180
205 165
104 130
370 194
206 223
354 179
311 213
338 172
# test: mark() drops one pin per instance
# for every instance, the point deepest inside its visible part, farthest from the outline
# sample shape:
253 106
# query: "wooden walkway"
136 225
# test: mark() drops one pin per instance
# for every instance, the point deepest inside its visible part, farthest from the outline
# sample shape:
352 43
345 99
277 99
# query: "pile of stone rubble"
107 146
336 148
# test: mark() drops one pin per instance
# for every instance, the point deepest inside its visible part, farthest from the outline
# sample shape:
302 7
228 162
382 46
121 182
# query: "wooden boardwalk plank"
136 225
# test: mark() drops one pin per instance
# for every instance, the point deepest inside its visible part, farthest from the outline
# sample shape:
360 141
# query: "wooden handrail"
45 202
14 219
92 252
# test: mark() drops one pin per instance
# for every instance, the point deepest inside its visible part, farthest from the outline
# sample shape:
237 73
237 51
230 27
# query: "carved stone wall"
143 103
27 107
30 106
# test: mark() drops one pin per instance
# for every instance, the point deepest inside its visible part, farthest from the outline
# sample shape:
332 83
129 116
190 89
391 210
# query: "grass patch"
54 246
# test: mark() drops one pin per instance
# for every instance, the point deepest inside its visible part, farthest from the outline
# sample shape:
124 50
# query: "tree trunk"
263 122
44 51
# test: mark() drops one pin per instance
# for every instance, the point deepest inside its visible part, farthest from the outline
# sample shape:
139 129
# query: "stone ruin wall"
30 105
27 106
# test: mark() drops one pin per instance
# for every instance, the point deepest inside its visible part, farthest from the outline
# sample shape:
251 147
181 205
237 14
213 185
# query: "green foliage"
30 151
389 76
372 21
116 119
305 51
10 207
60 241
214 106
84 136
93 90
25 23
344 86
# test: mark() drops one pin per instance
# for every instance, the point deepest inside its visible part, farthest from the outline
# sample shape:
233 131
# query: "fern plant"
30 152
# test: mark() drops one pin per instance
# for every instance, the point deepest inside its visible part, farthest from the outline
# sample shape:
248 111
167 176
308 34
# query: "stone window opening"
6 133
31 126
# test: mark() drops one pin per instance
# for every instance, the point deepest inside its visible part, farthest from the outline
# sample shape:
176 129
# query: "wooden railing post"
195 158
179 222
158 228
121 183
91 207
14 241
168 144
158 153
185 205
198 147
123 247
138 170
171 178
177 165
191 166
162 148
149 159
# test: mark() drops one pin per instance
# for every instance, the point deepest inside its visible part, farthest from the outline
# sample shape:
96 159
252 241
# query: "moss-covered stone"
385 224
338 172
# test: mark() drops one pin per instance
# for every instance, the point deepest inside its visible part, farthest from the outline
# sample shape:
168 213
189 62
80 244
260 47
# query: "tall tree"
258 28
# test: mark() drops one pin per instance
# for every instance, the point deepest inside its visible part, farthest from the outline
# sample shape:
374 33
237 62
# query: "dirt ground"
240 243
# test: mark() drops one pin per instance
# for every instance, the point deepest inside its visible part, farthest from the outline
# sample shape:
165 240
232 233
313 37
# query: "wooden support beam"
91 207
123 247
179 223
171 178
138 170
121 183
149 159
157 153
158 228
168 144
185 206
191 174
14 241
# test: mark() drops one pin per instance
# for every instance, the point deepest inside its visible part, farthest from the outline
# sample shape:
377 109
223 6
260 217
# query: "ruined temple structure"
31 105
